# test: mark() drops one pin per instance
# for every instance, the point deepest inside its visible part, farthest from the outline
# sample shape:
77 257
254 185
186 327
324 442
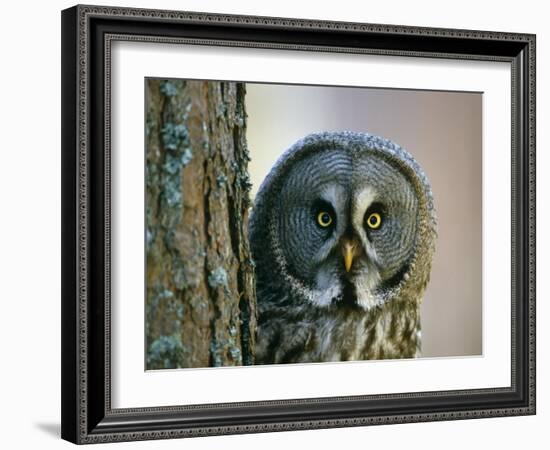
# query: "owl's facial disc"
345 228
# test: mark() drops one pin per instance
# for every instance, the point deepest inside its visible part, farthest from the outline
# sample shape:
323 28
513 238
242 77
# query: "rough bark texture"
200 307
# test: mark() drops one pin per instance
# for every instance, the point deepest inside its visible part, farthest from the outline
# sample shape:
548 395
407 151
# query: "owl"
342 234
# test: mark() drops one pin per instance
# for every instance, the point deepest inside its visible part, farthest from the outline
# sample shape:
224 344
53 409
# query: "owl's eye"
324 219
374 221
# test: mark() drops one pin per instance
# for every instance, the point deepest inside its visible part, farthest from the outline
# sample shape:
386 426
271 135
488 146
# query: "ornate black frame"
87 32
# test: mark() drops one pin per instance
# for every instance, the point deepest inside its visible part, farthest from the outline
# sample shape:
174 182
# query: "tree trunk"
200 308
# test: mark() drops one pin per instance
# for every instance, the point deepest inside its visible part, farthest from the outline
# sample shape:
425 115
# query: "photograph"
294 223
284 222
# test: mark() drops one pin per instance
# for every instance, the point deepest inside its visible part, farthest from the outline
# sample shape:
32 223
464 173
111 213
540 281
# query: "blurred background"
442 130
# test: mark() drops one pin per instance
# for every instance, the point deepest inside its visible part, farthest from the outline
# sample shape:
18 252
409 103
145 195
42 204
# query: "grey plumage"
342 233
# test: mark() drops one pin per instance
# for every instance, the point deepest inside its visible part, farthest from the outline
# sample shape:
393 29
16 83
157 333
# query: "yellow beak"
348 250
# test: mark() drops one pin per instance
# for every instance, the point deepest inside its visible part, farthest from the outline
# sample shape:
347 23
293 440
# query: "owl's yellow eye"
374 221
324 219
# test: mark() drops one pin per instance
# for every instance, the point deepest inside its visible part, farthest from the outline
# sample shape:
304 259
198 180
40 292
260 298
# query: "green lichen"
173 135
218 278
180 312
198 303
176 140
239 121
220 105
166 352
216 353
172 194
165 313
151 173
168 88
149 238
151 123
224 350
179 277
245 181
166 294
186 157
235 353
221 180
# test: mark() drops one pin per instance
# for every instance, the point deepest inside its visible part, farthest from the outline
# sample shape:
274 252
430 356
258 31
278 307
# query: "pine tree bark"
200 306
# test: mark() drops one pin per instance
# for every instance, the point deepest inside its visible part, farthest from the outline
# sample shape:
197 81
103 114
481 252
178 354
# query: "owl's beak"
348 251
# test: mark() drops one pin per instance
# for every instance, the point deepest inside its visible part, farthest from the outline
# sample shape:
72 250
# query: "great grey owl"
342 234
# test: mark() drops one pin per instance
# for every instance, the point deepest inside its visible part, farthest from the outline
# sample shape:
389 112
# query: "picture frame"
88 33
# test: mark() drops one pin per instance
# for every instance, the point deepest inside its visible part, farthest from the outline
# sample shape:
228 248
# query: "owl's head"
344 219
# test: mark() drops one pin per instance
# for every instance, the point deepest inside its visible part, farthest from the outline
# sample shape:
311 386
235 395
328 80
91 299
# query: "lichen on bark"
200 299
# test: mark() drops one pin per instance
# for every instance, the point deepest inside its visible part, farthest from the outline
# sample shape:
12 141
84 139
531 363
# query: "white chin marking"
367 300
365 289
324 297
329 288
